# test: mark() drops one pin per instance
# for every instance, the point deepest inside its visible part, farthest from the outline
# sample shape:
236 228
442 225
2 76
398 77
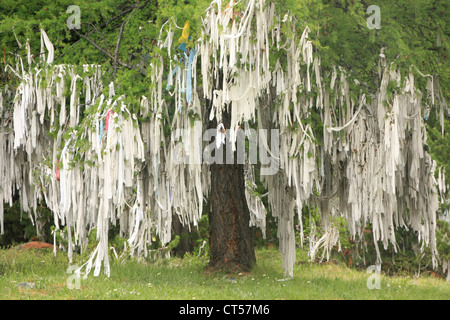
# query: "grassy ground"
186 279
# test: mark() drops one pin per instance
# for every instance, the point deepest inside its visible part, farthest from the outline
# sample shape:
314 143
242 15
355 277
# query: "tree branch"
98 31
131 8
117 48
116 61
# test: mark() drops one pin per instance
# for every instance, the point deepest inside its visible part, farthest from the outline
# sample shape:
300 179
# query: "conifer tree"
106 124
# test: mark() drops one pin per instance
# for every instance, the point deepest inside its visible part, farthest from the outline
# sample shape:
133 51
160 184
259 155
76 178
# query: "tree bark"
230 237
185 244
231 241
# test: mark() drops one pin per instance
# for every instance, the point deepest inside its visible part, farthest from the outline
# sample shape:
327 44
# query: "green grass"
186 279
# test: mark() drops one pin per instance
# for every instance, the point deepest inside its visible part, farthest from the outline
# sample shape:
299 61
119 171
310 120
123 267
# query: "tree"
333 130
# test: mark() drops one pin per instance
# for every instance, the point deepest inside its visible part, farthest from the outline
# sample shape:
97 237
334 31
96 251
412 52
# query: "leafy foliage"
413 33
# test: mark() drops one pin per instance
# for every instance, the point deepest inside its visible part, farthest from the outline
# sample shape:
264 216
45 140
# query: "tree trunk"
230 237
185 245
231 240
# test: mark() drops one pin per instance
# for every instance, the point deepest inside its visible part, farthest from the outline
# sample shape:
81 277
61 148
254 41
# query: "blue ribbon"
189 76
101 131
182 47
